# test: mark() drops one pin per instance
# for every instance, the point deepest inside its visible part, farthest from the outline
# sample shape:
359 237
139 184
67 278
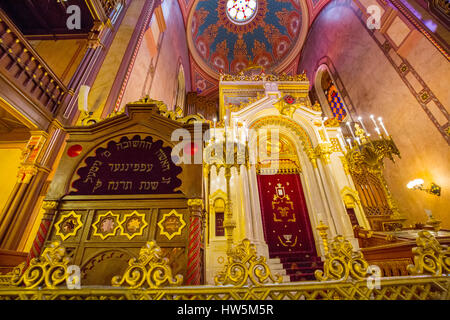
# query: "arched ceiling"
272 39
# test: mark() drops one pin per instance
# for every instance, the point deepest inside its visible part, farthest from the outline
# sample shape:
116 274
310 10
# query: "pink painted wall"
375 86
156 74
173 51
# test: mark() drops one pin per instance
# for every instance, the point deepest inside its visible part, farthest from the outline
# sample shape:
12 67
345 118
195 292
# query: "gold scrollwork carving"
324 150
244 267
48 271
195 203
342 262
430 257
150 268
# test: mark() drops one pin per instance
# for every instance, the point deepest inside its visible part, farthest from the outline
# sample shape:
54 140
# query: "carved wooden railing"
26 69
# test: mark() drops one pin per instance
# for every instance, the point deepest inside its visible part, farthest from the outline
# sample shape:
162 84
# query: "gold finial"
244 267
430 257
149 268
343 263
47 271
316 106
322 228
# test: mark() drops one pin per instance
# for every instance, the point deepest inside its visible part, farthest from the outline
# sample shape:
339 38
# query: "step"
312 264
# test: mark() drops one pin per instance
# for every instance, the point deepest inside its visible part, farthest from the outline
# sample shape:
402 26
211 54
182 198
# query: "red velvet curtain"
285 216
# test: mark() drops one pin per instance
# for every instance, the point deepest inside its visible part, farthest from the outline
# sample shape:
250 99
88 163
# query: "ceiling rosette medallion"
244 27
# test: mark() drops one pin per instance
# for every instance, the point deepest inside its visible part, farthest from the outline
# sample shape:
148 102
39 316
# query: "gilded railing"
27 69
395 288
346 276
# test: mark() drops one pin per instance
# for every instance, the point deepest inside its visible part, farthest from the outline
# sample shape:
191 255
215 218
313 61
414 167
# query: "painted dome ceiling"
230 35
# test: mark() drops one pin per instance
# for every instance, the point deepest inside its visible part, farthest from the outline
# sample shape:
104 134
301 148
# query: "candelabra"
227 154
367 154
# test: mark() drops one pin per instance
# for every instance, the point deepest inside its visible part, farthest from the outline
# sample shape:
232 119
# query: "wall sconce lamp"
417 184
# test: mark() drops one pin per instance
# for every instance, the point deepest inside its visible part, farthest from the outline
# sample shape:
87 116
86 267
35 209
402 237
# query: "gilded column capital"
196 207
49 208
195 204
49 205
26 173
323 151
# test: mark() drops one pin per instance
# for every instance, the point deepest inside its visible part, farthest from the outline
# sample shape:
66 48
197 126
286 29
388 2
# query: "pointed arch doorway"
286 223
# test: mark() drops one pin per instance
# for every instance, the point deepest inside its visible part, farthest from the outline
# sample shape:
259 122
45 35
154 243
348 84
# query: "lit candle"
214 128
350 128
376 126
382 125
349 142
358 140
362 124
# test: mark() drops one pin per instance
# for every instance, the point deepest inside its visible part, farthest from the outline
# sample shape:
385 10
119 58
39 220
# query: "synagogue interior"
226 149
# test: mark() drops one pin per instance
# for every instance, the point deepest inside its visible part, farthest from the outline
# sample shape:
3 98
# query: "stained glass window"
241 11
334 98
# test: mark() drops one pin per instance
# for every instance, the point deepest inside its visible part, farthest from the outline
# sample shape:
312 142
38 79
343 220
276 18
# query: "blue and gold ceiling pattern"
266 40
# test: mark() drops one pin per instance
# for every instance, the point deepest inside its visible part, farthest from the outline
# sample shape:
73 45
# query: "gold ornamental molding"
106 225
323 151
48 271
244 267
342 263
430 257
68 225
195 203
150 270
133 224
288 123
171 224
49 205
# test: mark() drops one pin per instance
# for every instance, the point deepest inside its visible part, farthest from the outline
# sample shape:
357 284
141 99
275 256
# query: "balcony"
21 66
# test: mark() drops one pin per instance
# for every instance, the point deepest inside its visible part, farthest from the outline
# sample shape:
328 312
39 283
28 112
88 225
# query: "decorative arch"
352 203
217 212
100 267
288 123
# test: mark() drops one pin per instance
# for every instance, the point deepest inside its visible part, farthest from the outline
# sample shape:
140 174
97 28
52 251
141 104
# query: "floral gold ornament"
150 270
133 224
106 225
171 224
68 225
430 257
47 271
244 267
323 151
342 263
